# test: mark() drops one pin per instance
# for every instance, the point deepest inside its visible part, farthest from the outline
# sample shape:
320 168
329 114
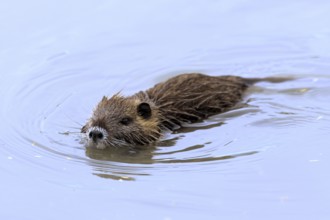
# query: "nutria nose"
95 135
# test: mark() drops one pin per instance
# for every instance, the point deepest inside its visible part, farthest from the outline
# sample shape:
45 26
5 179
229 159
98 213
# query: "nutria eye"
126 121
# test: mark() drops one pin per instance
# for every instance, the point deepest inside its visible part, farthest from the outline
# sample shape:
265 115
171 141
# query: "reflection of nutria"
141 118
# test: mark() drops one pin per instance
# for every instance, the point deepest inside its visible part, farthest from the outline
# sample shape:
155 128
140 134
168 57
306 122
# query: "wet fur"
193 97
186 98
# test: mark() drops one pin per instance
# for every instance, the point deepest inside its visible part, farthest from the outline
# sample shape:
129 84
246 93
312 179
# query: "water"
268 159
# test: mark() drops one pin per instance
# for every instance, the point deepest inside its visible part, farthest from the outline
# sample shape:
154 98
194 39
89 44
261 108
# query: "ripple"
45 110
46 132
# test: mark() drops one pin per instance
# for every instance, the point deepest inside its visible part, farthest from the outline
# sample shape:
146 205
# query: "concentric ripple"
45 111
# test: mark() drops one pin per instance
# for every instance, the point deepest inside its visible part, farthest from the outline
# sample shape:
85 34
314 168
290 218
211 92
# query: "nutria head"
122 121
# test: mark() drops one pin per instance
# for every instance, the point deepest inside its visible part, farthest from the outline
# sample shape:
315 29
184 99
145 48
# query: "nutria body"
141 118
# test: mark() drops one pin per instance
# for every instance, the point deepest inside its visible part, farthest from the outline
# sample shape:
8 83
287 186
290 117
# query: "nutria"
141 118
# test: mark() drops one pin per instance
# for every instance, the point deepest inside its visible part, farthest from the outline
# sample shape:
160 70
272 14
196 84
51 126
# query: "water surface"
267 159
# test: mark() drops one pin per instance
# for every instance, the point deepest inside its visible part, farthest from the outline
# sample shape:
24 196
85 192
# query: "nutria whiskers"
141 118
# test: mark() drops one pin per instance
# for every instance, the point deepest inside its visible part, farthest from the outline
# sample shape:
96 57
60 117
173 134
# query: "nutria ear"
144 110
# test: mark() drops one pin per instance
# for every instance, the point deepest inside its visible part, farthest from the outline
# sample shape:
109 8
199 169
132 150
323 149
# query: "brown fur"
193 97
185 98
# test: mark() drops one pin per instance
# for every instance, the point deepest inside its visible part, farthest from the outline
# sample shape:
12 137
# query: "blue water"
267 160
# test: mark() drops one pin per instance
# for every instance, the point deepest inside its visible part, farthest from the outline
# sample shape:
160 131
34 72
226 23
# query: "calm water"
267 160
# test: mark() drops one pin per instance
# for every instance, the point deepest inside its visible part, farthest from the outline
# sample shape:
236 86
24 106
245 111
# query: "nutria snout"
141 118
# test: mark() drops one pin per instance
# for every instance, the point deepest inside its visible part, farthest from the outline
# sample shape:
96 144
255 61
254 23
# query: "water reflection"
120 163
127 164
123 155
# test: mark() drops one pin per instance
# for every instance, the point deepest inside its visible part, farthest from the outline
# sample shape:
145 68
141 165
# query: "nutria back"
141 118
193 97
